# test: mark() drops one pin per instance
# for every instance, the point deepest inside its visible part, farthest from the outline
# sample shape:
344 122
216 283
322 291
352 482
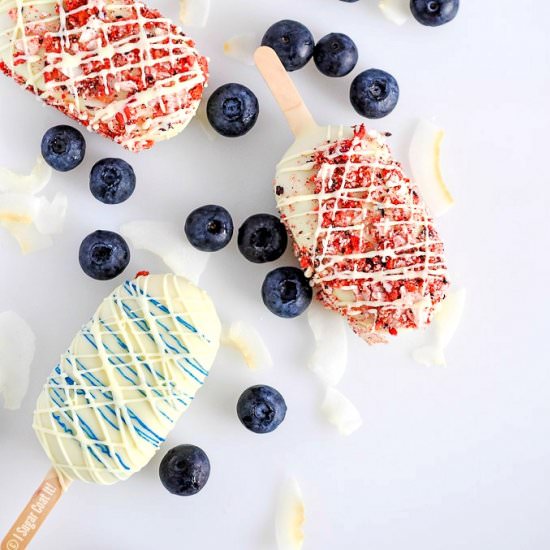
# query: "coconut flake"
18 208
50 216
28 237
425 160
329 359
194 13
167 241
341 412
397 11
17 347
242 47
290 517
445 322
11 182
249 343
30 218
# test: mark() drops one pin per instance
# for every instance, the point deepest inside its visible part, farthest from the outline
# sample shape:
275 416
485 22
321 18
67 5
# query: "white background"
454 458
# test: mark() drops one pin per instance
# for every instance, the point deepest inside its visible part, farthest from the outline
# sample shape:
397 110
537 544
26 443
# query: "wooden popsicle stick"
37 510
283 89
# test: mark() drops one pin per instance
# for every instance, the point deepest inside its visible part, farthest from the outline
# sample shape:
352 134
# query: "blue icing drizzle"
106 418
64 426
186 324
196 366
187 371
121 462
86 428
144 430
177 342
118 339
90 339
92 452
164 309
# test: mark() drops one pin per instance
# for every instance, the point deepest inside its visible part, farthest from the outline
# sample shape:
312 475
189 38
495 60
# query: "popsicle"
124 381
361 230
117 67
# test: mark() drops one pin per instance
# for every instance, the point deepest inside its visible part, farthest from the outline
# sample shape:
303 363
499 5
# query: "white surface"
454 458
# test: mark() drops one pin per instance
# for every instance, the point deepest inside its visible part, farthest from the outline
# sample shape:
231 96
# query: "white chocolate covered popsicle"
361 230
124 381
126 378
116 66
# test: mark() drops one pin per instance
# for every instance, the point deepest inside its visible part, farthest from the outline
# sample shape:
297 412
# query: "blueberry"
286 292
209 228
112 181
261 409
63 148
374 93
262 238
184 470
434 13
232 110
292 41
335 55
103 255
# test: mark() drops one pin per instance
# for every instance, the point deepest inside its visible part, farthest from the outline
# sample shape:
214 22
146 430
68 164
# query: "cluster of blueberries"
185 469
233 109
104 255
112 181
261 238
373 93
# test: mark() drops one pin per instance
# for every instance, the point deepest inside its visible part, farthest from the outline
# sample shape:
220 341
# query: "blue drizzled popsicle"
126 378
118 390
